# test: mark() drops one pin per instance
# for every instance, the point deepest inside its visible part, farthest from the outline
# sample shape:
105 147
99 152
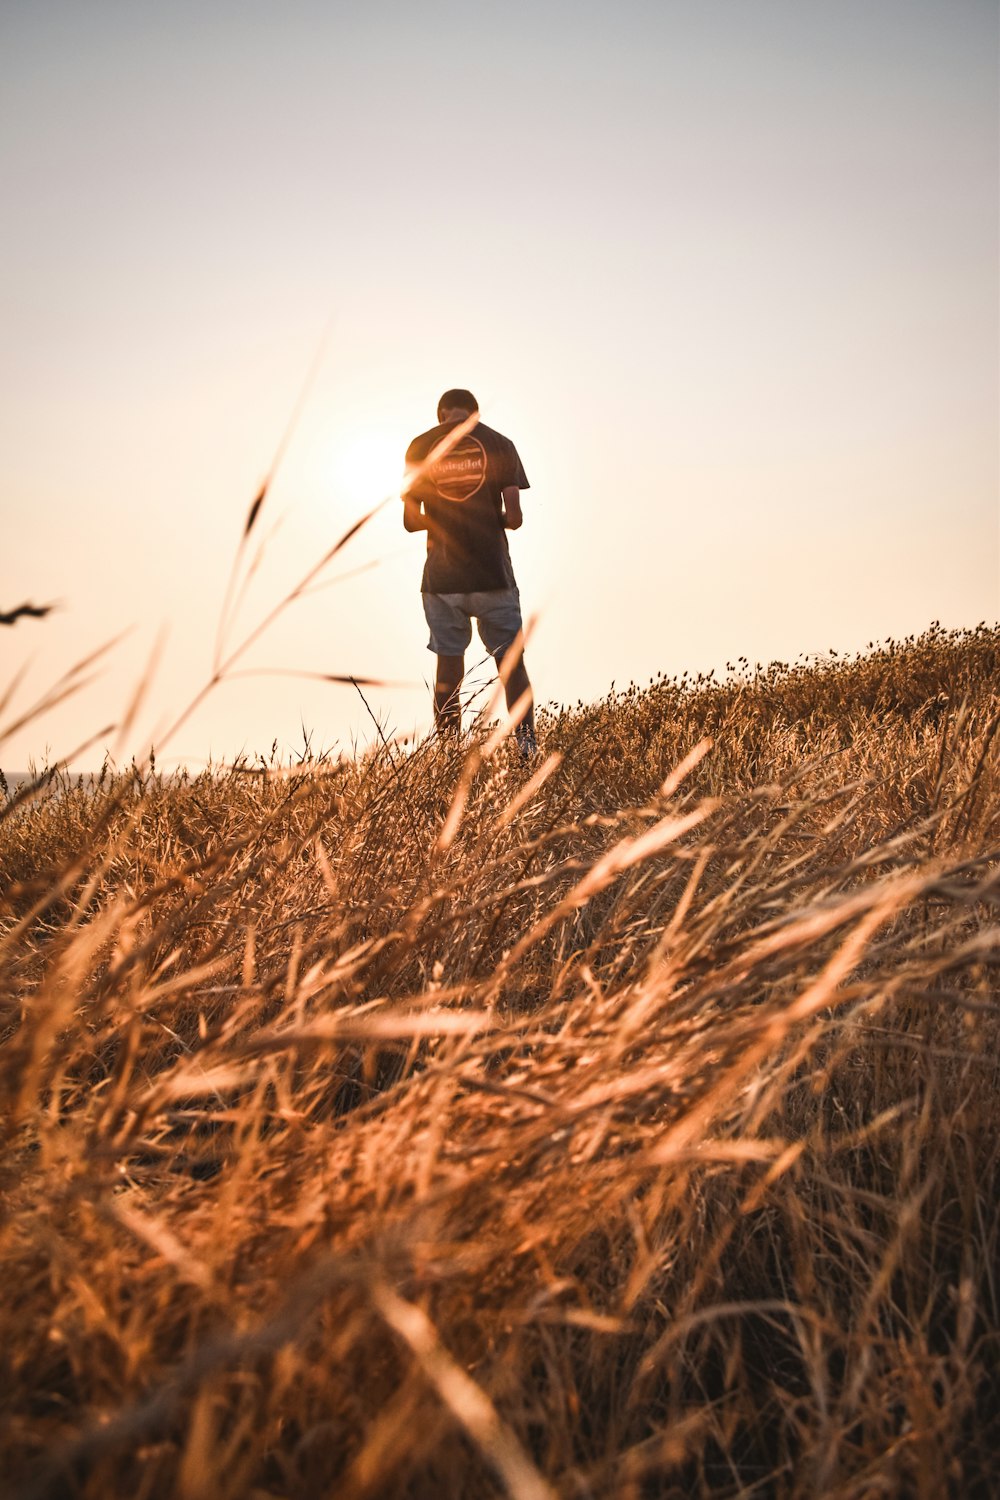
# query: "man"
463 488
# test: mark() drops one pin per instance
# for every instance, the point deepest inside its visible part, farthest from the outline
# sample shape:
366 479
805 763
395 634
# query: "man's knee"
510 657
450 671
511 667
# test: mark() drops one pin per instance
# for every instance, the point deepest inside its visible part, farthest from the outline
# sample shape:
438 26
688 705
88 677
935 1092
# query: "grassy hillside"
426 1126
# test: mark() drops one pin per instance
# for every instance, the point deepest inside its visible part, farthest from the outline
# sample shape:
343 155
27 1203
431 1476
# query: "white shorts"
497 613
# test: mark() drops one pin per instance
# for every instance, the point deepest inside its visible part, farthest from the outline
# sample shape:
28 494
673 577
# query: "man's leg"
447 703
450 633
515 688
502 633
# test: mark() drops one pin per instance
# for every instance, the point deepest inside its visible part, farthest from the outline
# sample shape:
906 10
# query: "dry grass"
410 1127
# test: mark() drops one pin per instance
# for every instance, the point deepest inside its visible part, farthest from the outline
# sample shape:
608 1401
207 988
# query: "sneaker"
527 745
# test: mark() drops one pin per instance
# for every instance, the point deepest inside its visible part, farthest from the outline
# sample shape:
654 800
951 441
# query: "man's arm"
511 497
413 516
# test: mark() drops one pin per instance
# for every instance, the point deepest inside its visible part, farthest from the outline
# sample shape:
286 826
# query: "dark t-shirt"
466 542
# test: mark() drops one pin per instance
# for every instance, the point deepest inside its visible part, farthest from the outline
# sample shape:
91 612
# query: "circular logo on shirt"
461 473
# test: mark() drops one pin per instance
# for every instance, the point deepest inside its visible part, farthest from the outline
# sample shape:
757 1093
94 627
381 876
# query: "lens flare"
367 465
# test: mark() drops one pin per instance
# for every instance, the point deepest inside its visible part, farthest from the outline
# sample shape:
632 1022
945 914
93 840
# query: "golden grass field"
422 1125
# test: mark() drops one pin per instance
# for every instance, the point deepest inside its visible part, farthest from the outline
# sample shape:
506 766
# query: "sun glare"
367 466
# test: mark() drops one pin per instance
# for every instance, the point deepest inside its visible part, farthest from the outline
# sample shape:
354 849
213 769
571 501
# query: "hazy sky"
725 270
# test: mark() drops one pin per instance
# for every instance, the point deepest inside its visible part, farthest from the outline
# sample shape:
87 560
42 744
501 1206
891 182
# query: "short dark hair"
457 401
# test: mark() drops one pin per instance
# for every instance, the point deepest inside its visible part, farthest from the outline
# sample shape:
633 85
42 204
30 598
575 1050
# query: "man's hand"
512 516
413 516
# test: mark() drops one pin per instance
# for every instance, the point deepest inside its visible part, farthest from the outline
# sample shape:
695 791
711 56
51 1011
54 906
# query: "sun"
367 465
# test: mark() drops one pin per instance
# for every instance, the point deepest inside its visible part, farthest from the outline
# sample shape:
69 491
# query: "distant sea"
16 779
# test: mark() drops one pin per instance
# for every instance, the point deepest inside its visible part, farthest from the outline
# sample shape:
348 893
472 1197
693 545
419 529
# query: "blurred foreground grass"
428 1126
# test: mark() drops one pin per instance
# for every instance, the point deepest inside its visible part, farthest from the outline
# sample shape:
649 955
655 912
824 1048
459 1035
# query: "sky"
726 272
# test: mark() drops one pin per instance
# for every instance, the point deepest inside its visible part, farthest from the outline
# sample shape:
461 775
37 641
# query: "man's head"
456 403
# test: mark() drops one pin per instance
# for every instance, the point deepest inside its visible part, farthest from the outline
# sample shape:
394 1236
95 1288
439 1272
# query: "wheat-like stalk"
419 1125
